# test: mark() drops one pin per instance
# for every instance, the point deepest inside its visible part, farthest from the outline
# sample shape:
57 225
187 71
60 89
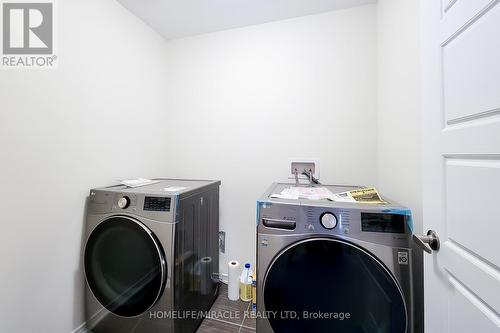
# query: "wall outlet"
301 165
222 241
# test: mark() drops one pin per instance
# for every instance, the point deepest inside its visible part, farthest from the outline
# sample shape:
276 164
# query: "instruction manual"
367 195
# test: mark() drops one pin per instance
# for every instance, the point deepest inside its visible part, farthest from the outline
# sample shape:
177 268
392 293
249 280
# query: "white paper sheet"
174 188
311 193
137 182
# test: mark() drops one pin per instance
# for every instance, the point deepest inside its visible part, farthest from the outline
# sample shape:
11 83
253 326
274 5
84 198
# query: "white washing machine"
151 254
328 267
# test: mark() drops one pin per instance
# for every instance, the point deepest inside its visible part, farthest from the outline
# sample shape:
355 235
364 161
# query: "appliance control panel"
159 208
373 225
348 221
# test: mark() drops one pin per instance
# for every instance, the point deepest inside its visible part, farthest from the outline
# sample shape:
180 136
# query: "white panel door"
461 106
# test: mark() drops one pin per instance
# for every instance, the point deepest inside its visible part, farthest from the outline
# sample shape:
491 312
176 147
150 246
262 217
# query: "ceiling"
181 18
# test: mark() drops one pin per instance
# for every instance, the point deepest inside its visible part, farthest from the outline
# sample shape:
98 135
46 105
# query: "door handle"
428 243
279 224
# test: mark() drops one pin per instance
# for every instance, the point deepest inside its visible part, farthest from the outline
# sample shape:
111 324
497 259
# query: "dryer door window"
332 286
124 266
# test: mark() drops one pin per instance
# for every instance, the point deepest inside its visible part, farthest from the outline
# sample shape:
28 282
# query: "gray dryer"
151 256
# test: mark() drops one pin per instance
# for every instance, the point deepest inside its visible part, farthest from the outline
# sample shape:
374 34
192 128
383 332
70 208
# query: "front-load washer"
325 266
151 257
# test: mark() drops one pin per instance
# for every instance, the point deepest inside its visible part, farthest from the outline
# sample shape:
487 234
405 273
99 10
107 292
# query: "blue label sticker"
261 204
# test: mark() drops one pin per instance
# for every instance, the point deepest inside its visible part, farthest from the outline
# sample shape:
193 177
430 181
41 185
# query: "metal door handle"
428 243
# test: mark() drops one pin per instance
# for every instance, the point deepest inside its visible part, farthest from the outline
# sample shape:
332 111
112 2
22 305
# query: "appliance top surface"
276 188
163 187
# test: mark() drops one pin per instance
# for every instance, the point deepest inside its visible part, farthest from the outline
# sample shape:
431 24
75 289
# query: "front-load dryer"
325 266
151 256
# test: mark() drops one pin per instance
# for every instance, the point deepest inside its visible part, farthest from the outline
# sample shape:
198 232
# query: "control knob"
328 220
123 202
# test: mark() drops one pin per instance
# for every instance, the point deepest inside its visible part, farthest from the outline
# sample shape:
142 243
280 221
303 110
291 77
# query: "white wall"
98 117
399 116
244 101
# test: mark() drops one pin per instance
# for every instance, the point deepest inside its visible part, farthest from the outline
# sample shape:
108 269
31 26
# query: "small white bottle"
246 284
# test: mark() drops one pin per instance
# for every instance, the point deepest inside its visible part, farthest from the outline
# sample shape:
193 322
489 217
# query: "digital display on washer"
157 204
377 222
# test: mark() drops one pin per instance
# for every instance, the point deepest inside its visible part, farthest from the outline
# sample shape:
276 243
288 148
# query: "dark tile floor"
229 316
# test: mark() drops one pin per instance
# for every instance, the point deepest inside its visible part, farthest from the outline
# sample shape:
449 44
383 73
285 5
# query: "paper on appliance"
137 182
174 188
310 193
367 195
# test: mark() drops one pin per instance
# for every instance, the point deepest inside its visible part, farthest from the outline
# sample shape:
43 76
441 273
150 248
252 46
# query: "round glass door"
327 285
124 266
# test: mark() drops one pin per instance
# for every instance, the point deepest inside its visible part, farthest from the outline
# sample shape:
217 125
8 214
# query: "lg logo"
27 28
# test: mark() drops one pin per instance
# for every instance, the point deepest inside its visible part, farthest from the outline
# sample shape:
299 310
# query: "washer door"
124 266
322 280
